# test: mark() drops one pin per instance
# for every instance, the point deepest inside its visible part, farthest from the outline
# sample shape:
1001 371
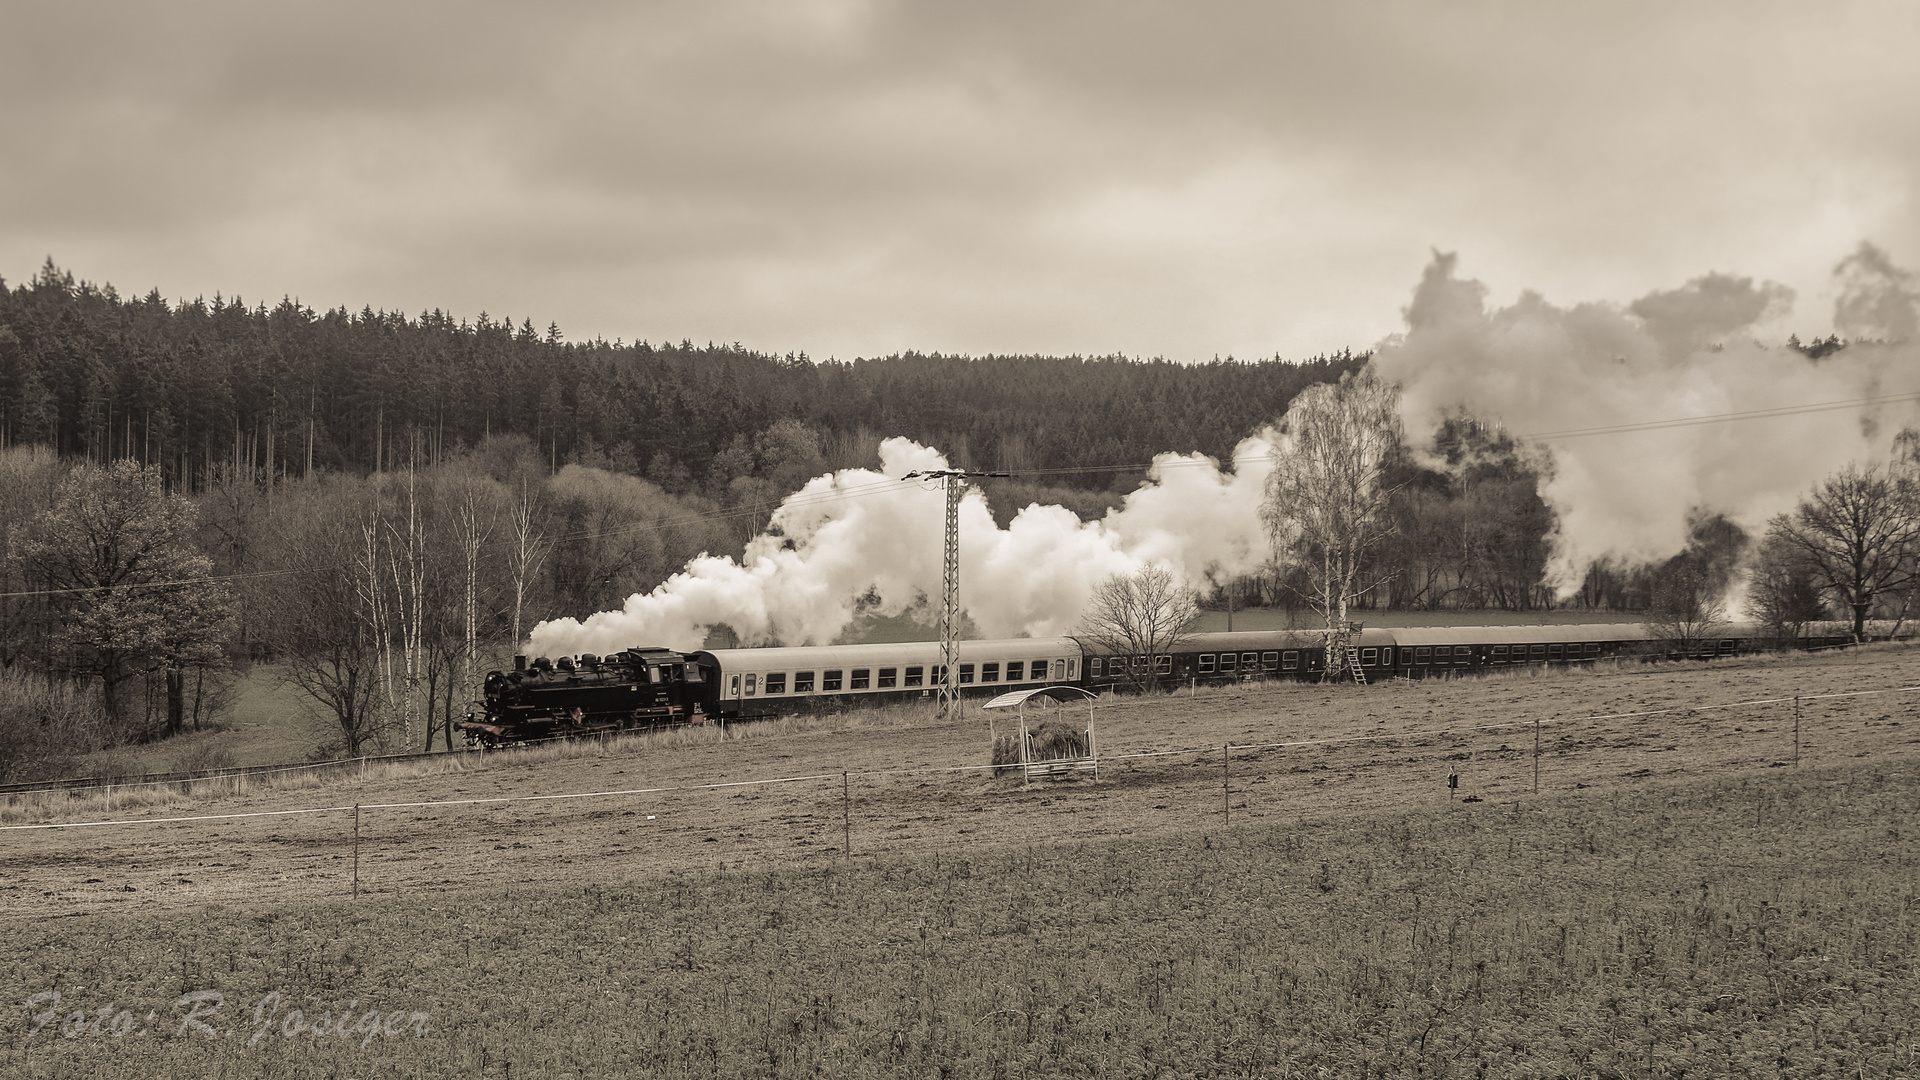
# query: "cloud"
1878 300
861 177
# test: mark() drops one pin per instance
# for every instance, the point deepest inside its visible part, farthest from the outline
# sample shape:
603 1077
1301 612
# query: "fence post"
1226 782
846 820
356 850
1796 730
1536 754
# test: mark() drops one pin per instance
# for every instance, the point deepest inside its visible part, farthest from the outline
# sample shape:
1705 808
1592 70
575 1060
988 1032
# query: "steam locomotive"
571 697
654 687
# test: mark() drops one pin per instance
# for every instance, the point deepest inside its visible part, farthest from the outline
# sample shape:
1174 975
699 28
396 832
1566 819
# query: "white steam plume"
1540 370
864 540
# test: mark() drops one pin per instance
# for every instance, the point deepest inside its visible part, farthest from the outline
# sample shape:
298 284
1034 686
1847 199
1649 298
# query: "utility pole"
954 481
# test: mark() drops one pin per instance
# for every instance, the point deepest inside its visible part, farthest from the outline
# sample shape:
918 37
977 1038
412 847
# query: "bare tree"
1688 608
1860 534
324 632
1139 617
1327 501
373 610
526 551
407 561
1783 593
473 533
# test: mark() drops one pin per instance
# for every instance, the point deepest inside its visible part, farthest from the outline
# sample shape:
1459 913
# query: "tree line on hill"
211 392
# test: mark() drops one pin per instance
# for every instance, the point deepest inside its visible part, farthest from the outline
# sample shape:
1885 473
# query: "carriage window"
1499 654
888 677
1290 660
1073 668
917 676
1422 655
1227 661
1249 661
966 673
733 686
1059 670
860 678
1270 661
1095 668
750 684
1369 656
1553 652
1593 648
803 682
1163 665
830 681
1726 645
990 672
1206 662
776 682
1463 654
1013 670
1537 652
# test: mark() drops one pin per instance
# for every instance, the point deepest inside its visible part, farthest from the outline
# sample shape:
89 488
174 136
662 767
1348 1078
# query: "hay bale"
1051 741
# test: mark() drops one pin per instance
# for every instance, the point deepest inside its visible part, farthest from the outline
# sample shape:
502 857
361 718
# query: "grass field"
1677 900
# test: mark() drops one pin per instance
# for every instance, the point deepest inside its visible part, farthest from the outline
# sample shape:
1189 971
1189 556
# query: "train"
570 696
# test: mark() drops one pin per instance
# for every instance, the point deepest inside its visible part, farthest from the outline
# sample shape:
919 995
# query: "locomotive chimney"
519 663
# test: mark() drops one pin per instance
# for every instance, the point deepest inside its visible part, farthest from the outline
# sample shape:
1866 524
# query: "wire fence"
869 779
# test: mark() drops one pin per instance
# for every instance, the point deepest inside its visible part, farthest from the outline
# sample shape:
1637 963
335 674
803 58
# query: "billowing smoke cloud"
860 540
1548 372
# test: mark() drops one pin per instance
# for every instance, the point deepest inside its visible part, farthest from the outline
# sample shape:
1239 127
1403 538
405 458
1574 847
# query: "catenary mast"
954 481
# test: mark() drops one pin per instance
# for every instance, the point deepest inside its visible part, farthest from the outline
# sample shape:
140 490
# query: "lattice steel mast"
954 481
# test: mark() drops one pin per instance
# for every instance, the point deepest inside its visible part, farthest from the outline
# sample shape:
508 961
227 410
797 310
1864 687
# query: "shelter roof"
1021 697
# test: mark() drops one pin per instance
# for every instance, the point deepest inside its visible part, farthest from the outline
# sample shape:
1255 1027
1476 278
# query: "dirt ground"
898 787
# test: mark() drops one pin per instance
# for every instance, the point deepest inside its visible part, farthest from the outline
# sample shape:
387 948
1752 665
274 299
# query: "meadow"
1678 899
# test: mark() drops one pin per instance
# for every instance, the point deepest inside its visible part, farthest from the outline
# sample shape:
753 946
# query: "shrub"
45 725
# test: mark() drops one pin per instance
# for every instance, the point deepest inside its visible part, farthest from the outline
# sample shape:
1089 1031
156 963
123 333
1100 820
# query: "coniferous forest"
210 391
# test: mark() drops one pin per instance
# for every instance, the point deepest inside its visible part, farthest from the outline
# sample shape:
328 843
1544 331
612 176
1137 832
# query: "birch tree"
527 549
1327 501
473 533
408 564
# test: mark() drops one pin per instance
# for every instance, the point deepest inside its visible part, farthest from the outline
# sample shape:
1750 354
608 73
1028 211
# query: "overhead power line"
1722 418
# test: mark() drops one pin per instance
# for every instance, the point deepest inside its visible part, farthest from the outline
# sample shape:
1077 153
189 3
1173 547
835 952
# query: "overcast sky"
856 178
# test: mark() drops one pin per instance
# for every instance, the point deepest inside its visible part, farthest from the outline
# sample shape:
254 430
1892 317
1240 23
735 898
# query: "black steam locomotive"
591 695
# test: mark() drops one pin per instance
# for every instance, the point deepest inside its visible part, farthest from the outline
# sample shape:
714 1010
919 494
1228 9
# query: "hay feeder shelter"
1085 756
